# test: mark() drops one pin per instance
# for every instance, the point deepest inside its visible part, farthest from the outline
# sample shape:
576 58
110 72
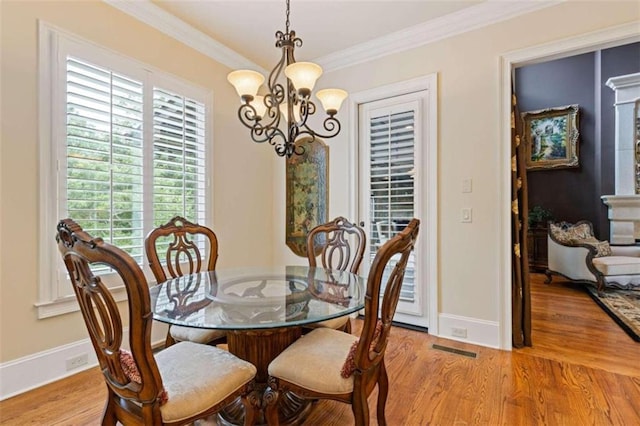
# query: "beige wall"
468 143
242 195
248 179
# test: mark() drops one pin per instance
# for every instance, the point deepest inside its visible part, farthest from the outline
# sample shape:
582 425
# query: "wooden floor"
582 370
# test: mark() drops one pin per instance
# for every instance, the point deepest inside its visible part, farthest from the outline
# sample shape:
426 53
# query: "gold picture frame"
307 198
551 138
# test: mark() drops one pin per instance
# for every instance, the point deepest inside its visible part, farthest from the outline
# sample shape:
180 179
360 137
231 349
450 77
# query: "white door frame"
429 228
602 39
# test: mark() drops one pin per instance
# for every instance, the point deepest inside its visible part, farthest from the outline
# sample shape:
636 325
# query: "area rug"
621 305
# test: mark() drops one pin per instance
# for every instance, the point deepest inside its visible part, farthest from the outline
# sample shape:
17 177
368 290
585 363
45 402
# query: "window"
126 150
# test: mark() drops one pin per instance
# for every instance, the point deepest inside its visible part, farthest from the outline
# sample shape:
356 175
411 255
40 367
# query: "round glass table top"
250 298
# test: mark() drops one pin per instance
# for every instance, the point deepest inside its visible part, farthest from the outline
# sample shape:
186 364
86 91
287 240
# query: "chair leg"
169 340
549 277
109 414
600 285
360 407
347 326
383 391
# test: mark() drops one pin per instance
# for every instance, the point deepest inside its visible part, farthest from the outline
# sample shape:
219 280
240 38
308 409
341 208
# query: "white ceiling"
248 26
336 33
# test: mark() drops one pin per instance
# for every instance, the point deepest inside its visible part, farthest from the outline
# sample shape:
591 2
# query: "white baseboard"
478 332
35 370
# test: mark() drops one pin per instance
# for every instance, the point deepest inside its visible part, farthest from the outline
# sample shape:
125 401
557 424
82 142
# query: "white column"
624 206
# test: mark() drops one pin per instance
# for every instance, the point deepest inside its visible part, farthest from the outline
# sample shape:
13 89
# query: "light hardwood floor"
582 370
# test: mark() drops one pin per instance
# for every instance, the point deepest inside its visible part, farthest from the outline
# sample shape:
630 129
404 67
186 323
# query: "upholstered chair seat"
319 357
181 333
197 377
339 323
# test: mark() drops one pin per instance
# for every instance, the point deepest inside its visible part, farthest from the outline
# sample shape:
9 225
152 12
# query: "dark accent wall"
574 194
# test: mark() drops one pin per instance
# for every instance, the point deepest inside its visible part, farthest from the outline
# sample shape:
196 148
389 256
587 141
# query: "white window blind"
178 159
105 156
392 170
124 147
104 178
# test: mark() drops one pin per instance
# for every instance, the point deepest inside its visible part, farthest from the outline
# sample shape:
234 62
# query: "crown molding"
150 14
481 15
478 16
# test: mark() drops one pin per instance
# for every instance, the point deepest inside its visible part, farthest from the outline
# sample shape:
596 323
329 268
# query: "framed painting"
307 177
551 138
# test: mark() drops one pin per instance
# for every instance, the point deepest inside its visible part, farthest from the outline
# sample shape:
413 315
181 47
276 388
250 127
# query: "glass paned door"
390 146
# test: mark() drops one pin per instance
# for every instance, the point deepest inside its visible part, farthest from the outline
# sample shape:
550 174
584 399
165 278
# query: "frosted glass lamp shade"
331 99
283 112
246 82
258 104
303 75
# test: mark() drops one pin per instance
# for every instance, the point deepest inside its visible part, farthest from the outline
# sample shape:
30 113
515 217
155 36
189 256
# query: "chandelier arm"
330 124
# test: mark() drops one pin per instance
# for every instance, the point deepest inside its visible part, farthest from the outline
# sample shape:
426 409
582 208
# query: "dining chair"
339 245
178 240
330 364
176 386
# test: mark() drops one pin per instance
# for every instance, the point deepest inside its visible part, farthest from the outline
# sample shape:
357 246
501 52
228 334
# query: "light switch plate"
466 215
467 185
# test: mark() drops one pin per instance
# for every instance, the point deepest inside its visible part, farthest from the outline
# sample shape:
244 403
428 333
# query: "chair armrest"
571 261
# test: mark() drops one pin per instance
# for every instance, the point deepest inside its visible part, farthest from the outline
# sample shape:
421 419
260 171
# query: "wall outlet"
76 361
459 332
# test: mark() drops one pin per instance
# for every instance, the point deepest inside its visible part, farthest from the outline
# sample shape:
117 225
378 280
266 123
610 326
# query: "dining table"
263 310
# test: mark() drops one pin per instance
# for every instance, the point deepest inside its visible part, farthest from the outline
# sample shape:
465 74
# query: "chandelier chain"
287 22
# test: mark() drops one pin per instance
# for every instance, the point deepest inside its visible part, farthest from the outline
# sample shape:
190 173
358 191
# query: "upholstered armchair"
576 254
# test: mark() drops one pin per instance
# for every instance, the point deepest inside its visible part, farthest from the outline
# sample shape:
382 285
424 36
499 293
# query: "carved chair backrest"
377 319
79 252
181 240
330 242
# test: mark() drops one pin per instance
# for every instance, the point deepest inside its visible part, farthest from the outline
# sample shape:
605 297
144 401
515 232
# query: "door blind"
392 168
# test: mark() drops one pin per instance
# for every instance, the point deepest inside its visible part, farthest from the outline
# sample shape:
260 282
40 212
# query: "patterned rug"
621 305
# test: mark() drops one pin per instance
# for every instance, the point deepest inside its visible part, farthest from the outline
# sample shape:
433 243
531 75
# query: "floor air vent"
454 350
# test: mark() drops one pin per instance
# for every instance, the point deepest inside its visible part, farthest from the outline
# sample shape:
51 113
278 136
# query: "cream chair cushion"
315 361
335 323
617 265
192 334
196 377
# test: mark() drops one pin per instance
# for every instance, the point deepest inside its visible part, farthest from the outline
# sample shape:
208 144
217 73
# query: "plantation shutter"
178 159
104 154
392 153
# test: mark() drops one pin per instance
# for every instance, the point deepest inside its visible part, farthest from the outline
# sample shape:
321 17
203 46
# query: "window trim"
53 43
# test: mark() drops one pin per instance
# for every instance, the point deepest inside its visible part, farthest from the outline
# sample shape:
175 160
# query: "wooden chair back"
80 251
182 249
330 242
377 319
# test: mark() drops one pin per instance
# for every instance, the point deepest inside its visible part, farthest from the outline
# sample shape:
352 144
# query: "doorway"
612 37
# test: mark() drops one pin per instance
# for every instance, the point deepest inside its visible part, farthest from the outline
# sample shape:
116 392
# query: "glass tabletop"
251 298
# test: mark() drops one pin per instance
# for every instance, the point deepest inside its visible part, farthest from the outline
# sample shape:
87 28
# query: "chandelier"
280 115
